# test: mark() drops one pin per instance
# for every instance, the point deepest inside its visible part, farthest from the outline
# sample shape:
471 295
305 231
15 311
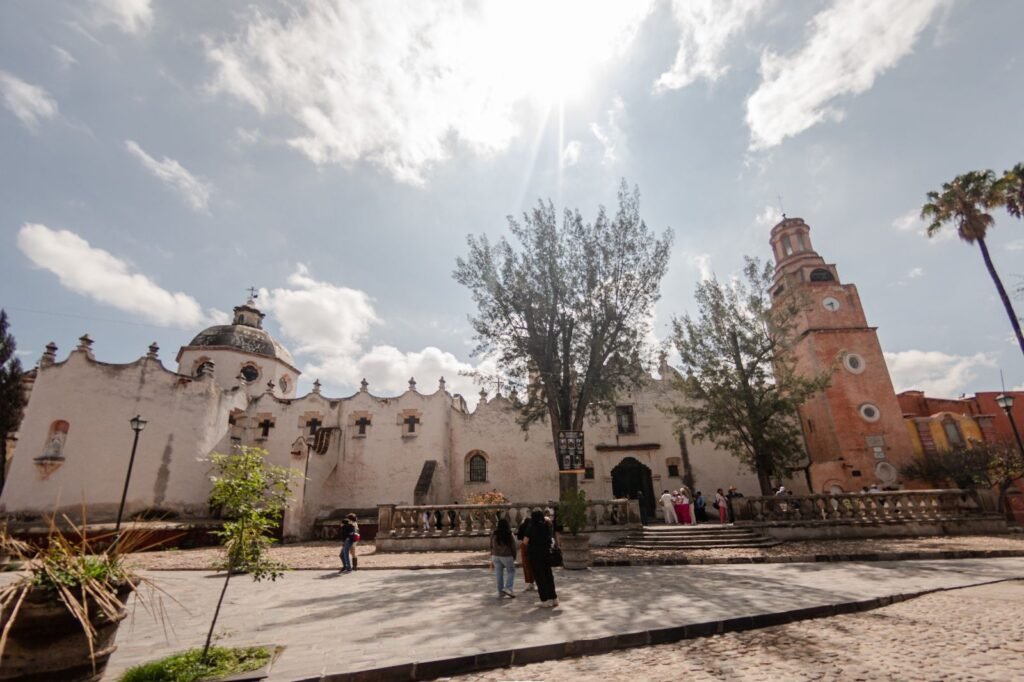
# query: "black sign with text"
570 451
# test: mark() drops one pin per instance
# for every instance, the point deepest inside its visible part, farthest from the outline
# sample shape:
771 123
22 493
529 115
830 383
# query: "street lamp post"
1006 402
138 423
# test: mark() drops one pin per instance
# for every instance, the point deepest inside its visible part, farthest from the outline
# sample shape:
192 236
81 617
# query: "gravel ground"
975 633
324 555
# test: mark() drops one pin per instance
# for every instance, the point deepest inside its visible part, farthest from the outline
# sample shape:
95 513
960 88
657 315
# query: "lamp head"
138 423
1004 401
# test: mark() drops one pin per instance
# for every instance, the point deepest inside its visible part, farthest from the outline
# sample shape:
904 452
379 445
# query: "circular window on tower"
869 412
250 373
853 363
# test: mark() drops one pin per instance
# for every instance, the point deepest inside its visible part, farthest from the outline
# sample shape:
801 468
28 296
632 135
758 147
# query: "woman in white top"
666 505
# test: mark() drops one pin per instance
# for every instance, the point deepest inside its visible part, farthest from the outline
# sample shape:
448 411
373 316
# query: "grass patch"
186 666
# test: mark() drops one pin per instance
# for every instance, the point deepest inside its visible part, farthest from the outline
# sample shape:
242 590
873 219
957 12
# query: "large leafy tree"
12 393
965 203
1013 190
975 465
565 311
740 382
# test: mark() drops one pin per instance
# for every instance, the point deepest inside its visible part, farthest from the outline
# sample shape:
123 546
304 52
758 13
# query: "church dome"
245 333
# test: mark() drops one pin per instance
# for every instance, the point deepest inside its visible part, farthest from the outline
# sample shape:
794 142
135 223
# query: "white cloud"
851 44
29 103
399 85
911 222
611 135
330 324
130 16
768 217
934 372
195 191
571 153
106 278
915 273
702 261
65 58
707 27
1017 245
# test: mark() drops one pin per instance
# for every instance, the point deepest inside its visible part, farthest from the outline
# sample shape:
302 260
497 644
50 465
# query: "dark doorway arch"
630 477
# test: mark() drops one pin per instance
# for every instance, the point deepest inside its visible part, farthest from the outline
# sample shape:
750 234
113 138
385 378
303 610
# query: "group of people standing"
534 542
682 507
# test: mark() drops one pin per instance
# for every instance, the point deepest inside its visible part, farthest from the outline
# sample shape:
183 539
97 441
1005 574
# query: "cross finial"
441 384
412 384
364 385
153 350
253 293
316 386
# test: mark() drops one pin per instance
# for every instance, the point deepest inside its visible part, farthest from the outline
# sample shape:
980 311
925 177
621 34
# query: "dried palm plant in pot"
60 618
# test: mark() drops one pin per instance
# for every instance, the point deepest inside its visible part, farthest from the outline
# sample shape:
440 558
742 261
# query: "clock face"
830 304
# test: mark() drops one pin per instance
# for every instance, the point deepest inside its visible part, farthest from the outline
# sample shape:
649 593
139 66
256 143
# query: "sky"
158 158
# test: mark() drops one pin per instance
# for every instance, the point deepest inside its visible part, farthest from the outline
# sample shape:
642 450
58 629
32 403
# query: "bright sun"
553 51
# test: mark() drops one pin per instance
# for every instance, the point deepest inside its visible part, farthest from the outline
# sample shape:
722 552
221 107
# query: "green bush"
572 510
187 666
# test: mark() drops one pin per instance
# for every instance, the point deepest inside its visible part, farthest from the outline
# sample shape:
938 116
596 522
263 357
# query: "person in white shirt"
667 505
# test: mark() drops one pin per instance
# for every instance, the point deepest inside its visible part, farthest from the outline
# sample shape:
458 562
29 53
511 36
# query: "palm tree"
1013 190
965 203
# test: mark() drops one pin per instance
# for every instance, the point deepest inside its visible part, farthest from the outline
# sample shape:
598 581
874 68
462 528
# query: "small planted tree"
12 394
252 495
975 465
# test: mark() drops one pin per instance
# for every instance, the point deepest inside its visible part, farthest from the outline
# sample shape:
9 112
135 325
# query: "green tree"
965 202
1013 190
252 495
741 386
12 393
567 311
975 465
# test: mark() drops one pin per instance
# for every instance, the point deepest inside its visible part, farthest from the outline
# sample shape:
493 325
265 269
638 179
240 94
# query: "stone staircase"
705 536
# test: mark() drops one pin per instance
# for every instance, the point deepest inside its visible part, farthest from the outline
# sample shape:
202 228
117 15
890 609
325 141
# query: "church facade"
235 385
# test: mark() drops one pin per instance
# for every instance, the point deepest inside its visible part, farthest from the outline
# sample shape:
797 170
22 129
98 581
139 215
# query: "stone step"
692 536
698 545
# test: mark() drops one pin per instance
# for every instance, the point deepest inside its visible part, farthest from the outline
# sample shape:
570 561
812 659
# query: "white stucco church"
235 385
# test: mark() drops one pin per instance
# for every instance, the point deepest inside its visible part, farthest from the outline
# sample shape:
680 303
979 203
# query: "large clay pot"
46 643
575 551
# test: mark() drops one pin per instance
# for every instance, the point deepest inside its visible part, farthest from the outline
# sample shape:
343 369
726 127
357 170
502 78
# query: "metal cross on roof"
253 293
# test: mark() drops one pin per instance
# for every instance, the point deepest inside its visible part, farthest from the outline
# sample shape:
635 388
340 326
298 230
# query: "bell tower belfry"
854 430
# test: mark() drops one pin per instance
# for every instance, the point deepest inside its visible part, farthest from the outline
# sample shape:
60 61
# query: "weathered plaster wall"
186 420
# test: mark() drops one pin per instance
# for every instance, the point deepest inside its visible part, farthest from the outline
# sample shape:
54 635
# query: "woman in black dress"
538 546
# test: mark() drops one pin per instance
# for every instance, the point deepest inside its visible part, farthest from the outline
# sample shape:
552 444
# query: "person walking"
700 507
668 507
720 504
538 543
524 554
356 537
503 558
347 530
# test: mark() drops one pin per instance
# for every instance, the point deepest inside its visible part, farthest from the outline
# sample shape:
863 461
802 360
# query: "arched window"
477 465
822 275
55 439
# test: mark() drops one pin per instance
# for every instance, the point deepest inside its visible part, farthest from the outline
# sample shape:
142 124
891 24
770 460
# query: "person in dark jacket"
538 544
524 554
348 530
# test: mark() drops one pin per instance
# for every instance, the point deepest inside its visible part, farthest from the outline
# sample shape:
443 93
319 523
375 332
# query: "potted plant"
572 515
59 620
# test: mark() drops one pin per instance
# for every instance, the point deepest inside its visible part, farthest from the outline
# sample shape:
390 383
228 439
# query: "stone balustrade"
902 512
468 526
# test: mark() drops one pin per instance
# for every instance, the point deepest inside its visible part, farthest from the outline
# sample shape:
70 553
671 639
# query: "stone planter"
47 643
575 551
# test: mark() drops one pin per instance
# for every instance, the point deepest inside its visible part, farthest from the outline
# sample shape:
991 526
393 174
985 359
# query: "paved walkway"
976 633
331 623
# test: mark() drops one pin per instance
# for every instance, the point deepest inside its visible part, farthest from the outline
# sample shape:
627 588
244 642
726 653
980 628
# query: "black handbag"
556 556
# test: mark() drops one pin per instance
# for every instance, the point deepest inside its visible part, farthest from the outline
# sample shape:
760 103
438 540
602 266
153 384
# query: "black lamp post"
138 423
1006 402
